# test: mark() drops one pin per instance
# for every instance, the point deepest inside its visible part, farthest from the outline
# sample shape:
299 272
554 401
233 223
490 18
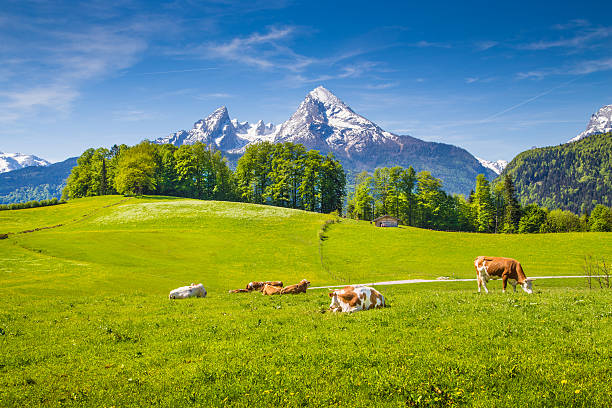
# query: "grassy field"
85 319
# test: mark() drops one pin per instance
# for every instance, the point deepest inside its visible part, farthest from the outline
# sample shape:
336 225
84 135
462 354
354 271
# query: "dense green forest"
417 199
573 176
283 174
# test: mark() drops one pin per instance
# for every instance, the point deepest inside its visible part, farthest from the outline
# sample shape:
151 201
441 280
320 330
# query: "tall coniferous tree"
483 204
512 213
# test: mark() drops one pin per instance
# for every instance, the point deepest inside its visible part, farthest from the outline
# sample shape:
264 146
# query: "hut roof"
385 216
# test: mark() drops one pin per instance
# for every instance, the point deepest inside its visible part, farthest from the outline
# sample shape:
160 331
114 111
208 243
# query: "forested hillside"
35 183
574 176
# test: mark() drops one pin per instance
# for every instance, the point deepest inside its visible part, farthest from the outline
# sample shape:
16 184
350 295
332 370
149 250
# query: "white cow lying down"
184 292
355 298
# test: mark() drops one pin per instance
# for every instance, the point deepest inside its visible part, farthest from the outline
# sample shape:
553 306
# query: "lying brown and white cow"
239 291
355 298
294 289
184 292
508 269
269 290
259 285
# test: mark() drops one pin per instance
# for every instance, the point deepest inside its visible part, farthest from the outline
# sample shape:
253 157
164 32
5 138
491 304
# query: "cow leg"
514 285
504 283
479 279
484 285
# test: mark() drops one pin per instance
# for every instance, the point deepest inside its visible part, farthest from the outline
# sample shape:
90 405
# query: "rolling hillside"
573 176
116 243
85 319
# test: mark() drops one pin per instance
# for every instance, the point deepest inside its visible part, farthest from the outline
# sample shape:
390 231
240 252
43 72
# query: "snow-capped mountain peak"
497 166
15 161
324 95
324 122
215 130
601 122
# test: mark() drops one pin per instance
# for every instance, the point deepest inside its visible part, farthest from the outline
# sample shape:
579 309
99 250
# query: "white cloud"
266 51
485 45
48 67
588 67
584 39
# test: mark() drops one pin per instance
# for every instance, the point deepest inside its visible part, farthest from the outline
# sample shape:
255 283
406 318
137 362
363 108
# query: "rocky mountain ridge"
16 161
601 122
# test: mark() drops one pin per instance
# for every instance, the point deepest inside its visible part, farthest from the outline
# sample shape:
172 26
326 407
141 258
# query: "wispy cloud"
588 67
56 97
387 85
430 44
485 45
214 95
133 115
583 39
266 50
572 24
179 71
579 68
49 66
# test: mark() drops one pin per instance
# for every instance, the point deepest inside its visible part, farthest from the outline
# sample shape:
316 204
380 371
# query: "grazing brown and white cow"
294 289
184 292
355 298
259 285
269 290
508 269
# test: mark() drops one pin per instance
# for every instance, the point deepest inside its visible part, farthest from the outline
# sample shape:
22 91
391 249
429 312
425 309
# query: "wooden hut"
386 221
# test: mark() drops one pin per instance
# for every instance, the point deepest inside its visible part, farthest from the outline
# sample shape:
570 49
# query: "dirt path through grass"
407 281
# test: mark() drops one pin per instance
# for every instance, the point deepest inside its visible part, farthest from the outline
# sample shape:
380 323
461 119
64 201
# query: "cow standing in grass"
508 269
353 299
184 292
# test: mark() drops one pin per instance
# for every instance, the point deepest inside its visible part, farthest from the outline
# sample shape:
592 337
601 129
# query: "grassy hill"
85 319
573 176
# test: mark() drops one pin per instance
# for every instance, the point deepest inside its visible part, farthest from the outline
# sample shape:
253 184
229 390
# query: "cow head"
527 286
335 303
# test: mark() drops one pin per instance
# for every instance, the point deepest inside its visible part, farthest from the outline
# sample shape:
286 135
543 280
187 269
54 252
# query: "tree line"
282 174
417 199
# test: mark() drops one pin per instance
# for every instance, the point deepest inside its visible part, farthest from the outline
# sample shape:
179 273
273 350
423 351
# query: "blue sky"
495 79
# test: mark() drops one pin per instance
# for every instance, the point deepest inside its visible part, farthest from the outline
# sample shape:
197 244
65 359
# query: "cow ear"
331 294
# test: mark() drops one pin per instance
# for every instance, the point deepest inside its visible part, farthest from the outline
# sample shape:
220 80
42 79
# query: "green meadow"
85 319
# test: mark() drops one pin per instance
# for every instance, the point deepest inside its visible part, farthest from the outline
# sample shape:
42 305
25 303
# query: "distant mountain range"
325 123
15 161
35 182
497 166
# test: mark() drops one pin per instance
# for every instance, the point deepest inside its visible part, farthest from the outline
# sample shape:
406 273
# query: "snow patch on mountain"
324 122
218 130
15 161
497 166
601 122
